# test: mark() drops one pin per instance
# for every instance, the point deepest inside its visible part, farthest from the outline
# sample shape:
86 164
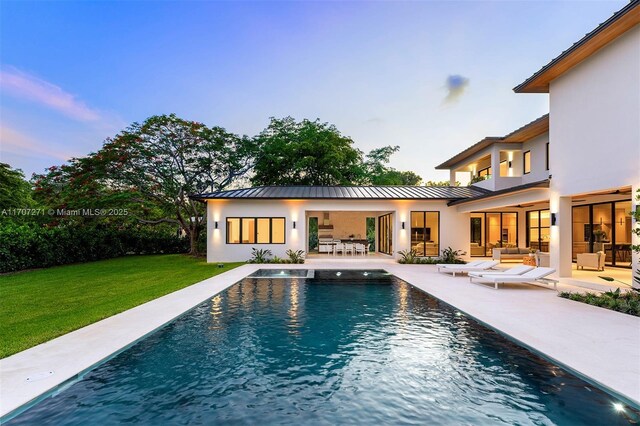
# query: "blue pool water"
348 349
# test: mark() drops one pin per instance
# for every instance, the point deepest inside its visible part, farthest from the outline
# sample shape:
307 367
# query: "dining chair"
348 248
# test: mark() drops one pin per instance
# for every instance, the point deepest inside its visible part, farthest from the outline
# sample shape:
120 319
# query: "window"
255 230
538 229
425 233
485 172
527 162
547 156
504 168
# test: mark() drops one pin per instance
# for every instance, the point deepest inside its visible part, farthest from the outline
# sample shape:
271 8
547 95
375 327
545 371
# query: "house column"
635 239
452 177
495 162
560 246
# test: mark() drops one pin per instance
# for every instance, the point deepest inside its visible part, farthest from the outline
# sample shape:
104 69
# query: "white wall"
595 120
454 226
538 148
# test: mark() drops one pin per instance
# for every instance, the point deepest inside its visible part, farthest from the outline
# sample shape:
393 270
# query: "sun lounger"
535 276
464 269
516 270
474 263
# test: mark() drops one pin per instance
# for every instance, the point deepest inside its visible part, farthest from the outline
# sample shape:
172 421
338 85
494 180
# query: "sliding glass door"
489 230
606 228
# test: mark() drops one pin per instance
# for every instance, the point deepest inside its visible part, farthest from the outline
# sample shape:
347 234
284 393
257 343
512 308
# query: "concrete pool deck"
594 342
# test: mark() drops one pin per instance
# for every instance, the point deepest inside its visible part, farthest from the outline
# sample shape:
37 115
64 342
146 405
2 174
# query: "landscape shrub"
448 256
28 246
264 256
627 302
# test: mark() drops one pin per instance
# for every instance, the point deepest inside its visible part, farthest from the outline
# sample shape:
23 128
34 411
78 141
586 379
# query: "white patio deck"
597 343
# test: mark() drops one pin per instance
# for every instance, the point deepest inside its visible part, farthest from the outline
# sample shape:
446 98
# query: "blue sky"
74 73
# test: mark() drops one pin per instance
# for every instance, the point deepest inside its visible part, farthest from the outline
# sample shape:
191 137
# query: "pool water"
354 350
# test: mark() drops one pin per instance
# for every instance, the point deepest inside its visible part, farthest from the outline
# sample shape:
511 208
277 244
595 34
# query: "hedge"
27 246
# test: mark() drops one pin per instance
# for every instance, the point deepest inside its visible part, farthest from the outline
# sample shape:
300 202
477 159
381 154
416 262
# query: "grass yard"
36 306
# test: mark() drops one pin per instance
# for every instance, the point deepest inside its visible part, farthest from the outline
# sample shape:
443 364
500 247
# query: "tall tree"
305 153
166 159
152 168
15 191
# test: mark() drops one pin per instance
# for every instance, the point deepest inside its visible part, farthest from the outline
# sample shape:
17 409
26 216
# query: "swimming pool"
351 347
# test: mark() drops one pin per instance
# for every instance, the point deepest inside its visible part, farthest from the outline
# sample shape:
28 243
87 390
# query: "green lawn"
36 306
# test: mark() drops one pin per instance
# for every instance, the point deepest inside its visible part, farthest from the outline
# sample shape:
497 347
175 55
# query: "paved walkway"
600 344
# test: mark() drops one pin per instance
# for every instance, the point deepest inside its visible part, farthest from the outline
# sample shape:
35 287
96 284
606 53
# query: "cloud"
12 140
455 85
24 86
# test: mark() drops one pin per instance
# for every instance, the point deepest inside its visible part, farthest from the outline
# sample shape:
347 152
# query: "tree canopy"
305 153
316 153
15 191
153 167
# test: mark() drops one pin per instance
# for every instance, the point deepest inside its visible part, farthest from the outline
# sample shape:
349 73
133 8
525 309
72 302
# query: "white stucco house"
563 184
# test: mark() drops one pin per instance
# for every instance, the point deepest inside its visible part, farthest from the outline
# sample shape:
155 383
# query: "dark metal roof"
629 12
529 131
537 184
347 192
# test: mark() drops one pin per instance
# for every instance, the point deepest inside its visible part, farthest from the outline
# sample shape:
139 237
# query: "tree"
440 183
305 153
166 159
15 191
379 173
151 169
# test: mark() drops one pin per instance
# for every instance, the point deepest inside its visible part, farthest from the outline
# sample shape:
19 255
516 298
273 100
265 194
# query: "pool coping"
73 354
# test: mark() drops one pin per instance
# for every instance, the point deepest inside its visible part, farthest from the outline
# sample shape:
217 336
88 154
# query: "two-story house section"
515 169
594 135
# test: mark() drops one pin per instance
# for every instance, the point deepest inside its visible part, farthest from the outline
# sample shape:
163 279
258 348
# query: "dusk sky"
432 77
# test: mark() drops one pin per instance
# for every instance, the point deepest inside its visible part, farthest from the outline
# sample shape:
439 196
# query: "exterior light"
554 218
215 224
402 225
618 407
509 163
294 224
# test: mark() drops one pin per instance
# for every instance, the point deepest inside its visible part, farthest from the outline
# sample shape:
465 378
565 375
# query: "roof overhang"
507 194
622 21
525 133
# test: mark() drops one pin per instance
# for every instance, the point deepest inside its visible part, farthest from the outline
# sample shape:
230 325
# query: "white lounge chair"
516 270
535 276
466 268
474 263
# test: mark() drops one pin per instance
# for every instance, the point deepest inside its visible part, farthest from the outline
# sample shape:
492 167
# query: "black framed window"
256 230
539 229
526 162
485 172
425 233
547 156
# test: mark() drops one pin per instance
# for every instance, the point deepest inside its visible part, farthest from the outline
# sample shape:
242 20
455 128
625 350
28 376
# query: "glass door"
385 243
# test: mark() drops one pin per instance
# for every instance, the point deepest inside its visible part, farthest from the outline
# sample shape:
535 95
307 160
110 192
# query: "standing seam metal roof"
348 192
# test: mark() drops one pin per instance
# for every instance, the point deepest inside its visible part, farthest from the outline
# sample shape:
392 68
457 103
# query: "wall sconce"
509 164
215 224
554 218
294 224
600 220
402 225
620 222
